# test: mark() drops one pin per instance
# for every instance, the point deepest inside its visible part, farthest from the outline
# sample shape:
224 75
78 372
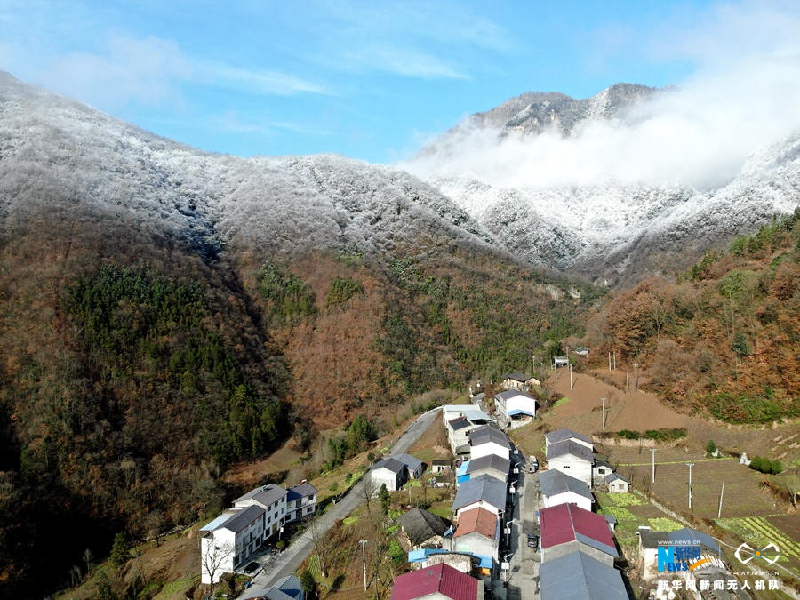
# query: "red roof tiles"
477 520
441 578
567 522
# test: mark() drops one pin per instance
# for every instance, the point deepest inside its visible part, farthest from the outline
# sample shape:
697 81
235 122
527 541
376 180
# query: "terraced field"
758 532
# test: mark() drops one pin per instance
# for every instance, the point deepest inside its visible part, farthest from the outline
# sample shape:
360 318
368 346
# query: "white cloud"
410 39
144 71
742 98
266 82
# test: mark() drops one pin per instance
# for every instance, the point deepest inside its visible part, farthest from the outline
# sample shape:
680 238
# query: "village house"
566 528
428 557
617 483
439 582
301 502
230 540
518 381
270 497
578 576
441 466
557 488
490 464
481 492
471 412
388 471
600 470
571 458
458 435
478 533
488 440
421 529
559 435
414 466
514 408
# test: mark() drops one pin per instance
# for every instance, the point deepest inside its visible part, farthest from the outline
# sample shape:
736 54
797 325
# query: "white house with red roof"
478 533
567 528
439 582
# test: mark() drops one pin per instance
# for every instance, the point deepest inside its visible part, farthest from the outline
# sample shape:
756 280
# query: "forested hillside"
722 338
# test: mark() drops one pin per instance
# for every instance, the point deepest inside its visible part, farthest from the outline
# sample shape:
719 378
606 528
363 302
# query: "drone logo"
757 553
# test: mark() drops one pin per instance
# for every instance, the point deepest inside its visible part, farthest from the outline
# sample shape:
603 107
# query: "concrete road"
523 581
287 563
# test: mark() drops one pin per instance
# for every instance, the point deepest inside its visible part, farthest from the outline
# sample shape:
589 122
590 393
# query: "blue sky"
370 80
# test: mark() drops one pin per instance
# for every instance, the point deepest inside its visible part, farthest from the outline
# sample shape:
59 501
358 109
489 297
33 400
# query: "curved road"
291 559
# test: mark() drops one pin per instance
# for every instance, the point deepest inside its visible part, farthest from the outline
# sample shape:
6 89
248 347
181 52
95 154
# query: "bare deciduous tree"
213 556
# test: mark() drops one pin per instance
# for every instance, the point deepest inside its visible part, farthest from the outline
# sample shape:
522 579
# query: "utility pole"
721 494
652 465
609 362
690 465
635 377
603 400
364 560
570 373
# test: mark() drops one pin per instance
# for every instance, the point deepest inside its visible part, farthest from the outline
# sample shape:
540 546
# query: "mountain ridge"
503 167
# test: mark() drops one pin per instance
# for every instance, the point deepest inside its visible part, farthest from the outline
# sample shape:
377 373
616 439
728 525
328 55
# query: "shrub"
711 447
765 465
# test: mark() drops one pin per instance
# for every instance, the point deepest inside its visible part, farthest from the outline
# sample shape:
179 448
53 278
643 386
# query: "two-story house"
230 540
301 502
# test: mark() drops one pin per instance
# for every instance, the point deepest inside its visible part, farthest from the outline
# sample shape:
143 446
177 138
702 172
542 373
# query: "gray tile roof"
578 576
242 519
288 588
569 447
459 423
485 487
553 481
512 394
490 461
412 462
302 490
420 525
264 495
613 477
486 434
392 464
516 376
564 434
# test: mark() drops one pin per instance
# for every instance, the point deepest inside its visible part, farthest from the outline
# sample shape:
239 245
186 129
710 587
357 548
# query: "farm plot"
758 532
744 494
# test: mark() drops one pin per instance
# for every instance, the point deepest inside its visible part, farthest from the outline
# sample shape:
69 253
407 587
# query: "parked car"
533 541
534 464
252 568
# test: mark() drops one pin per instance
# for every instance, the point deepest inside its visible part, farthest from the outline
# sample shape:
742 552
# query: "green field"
758 532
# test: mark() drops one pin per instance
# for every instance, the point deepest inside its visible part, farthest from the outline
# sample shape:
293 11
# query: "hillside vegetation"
722 339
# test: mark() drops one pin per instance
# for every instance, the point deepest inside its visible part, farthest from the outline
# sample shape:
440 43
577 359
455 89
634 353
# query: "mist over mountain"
619 184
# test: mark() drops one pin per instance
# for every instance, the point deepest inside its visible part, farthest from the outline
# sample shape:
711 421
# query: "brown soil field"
640 411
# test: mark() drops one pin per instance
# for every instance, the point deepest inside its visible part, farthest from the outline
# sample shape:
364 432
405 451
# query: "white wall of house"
618 486
478 504
491 472
223 551
300 508
599 473
383 475
487 449
573 466
566 498
477 543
